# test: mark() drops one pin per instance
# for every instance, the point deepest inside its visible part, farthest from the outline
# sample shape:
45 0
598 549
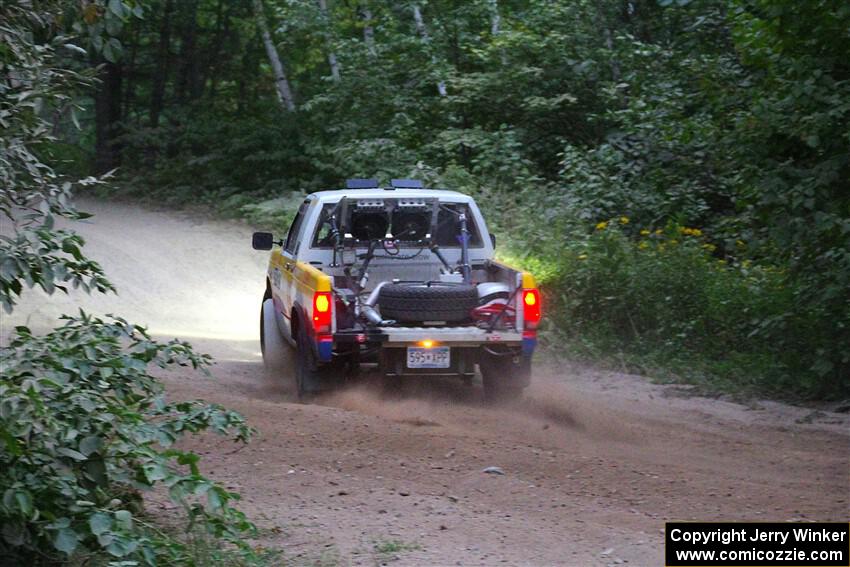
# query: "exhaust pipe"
367 309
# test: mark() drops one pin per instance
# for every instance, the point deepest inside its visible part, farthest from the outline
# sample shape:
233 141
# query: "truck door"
285 265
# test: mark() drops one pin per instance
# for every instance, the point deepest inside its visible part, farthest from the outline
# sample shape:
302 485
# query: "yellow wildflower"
643 245
659 232
696 232
602 225
710 247
582 256
644 232
624 220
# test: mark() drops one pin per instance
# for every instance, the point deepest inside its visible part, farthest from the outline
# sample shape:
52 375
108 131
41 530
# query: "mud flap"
504 376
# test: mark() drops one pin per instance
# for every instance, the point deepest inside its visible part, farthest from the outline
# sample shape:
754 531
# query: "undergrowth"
663 302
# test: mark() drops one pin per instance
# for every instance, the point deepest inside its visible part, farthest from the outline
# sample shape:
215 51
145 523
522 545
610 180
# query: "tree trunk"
368 30
615 65
284 93
423 32
212 59
420 23
495 19
323 8
187 70
603 23
107 111
496 28
163 60
249 70
130 73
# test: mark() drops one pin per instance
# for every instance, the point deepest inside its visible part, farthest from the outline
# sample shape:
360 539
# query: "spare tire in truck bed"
410 302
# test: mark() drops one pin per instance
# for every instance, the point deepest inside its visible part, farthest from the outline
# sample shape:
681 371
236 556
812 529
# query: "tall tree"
163 64
609 43
368 30
495 18
284 91
426 39
328 26
107 110
186 87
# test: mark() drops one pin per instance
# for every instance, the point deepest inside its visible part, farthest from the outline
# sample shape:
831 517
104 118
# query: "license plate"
436 357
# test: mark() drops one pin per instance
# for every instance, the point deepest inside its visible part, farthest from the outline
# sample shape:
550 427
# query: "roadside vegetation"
86 434
718 129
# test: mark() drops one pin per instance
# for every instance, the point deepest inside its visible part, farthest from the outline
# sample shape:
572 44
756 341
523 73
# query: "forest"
676 173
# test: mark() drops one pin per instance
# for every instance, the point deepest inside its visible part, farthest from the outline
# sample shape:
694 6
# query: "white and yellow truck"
402 277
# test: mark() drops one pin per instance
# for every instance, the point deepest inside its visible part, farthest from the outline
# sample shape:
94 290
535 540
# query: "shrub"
84 429
665 295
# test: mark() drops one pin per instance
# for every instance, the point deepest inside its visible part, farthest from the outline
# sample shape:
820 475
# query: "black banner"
756 544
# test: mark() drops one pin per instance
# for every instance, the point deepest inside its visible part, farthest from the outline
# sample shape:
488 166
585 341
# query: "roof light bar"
361 183
407 183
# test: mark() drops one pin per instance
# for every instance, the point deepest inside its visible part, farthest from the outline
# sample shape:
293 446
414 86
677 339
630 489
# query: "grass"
389 546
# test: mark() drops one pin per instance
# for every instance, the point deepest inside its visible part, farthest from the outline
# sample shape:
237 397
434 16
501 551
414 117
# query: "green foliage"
32 195
663 294
40 255
386 547
276 214
101 22
85 428
796 161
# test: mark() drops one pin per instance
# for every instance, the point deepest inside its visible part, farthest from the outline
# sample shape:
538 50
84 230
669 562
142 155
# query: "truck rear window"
407 227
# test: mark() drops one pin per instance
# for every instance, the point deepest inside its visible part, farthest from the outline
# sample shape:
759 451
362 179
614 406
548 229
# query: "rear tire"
277 354
310 378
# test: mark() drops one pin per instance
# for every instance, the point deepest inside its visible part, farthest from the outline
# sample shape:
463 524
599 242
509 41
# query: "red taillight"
531 308
322 311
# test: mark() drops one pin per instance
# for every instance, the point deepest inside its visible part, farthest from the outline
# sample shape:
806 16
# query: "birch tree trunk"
423 33
284 93
368 30
603 23
495 19
323 8
495 27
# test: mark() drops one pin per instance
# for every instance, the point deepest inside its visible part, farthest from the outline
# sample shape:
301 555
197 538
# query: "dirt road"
594 462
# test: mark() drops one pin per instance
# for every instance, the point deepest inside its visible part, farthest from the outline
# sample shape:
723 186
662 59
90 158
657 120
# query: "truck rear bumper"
466 339
448 336
399 337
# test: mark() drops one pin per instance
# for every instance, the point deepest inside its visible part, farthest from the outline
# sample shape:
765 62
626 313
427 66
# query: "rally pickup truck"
402 277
